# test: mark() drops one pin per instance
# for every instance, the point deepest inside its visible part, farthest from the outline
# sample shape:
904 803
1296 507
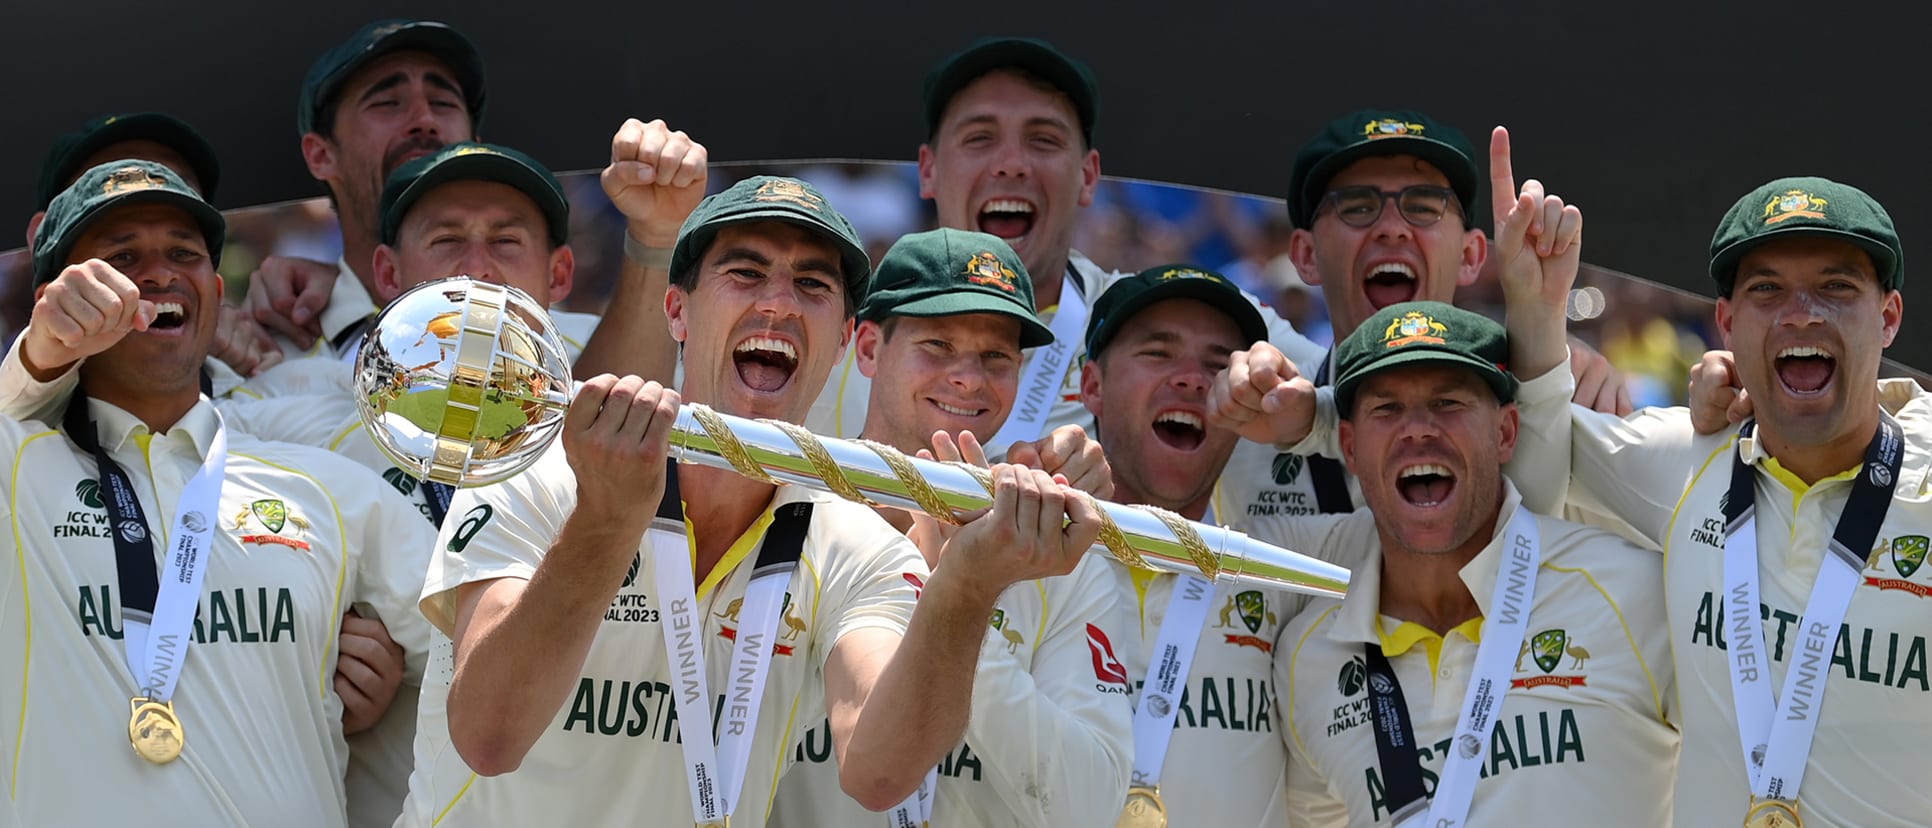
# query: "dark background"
1652 116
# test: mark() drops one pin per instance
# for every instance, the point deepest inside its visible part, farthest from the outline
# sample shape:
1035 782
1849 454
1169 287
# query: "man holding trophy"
940 337
583 629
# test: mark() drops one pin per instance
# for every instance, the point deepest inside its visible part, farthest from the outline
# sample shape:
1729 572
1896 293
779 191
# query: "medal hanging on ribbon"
1504 626
1775 734
1160 699
157 613
715 771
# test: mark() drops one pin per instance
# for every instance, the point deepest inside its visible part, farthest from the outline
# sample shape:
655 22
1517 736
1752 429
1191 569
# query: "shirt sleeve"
864 581
498 531
1540 466
309 419
1058 746
392 544
1311 804
24 398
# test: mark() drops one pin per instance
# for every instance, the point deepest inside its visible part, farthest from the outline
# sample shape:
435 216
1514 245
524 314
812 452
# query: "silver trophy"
466 383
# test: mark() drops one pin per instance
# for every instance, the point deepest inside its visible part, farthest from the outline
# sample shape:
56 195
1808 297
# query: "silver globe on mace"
466 383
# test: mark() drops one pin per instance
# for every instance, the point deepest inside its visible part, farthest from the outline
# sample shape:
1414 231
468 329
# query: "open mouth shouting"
1180 430
1805 370
1389 283
168 316
765 364
1008 218
1425 484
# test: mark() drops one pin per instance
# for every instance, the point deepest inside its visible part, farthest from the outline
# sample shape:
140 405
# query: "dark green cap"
771 198
474 162
69 151
1127 297
1790 207
1037 57
111 185
334 68
1372 132
1416 333
948 272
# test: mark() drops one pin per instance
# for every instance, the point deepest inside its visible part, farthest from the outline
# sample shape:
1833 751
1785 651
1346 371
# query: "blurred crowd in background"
1652 332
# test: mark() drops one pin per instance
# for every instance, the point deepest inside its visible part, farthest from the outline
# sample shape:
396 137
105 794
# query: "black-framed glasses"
1420 205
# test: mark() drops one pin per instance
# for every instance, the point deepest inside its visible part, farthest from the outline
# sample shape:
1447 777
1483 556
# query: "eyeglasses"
1420 205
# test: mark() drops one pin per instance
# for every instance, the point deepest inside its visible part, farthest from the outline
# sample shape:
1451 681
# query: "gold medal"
1144 808
718 823
154 730
1773 813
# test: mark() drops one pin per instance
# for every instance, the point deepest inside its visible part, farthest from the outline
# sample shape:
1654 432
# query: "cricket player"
1206 751
1793 540
1010 151
589 639
1482 650
172 567
941 336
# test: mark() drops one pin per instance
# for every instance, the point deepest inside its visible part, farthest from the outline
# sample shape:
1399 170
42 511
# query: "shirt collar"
116 427
349 302
1359 619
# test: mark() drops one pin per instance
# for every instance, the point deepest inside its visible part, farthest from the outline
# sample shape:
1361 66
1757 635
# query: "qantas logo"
1106 667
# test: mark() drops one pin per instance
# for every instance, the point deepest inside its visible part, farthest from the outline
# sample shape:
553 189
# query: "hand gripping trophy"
465 383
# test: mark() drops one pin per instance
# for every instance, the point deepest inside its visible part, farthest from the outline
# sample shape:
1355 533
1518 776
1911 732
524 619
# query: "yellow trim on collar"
740 549
1410 633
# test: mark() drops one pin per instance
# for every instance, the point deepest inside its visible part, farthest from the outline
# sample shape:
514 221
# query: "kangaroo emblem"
1523 651
1227 614
731 610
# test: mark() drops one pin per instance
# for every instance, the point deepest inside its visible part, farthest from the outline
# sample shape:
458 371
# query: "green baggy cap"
948 272
1416 333
1792 207
111 185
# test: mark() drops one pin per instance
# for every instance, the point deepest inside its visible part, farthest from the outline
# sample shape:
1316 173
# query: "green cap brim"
484 166
852 258
1499 381
1724 264
214 229
1247 318
954 303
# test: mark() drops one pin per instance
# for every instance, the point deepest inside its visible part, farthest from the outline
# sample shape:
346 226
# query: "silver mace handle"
499 371
876 474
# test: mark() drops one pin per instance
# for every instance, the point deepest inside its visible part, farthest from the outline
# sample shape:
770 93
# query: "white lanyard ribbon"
1166 680
1776 747
1775 734
916 811
1045 372
1503 630
155 655
715 773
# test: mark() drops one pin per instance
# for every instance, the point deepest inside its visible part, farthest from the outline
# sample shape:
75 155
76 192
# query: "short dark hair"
1035 81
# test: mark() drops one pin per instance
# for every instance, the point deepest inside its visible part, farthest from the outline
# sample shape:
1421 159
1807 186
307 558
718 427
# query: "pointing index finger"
1502 178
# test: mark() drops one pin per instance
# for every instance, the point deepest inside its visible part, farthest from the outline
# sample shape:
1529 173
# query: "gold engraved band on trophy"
1773 813
1144 808
153 730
